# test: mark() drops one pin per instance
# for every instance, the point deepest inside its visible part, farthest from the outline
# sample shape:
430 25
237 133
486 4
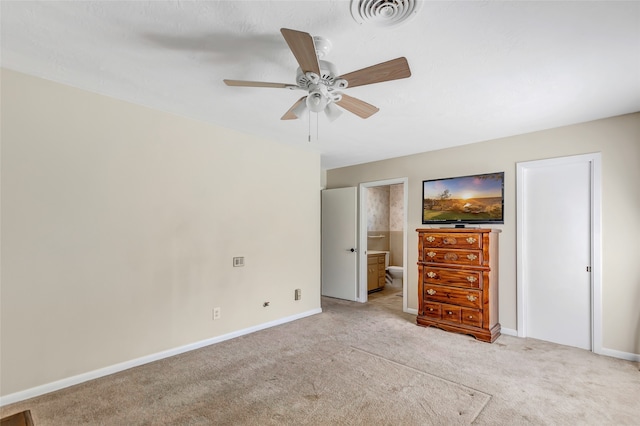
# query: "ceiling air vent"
384 13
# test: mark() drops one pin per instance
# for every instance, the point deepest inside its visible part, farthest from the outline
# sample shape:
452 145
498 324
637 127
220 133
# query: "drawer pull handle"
431 309
471 298
431 253
470 316
431 292
450 313
472 257
431 274
451 256
449 240
471 240
431 238
472 279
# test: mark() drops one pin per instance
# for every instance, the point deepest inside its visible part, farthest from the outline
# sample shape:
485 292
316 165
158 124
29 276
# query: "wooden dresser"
375 272
458 281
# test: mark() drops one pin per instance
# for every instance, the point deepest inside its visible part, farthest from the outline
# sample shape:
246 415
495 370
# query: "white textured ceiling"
480 70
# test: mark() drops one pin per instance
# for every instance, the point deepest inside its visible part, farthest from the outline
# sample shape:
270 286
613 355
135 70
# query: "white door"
555 228
339 243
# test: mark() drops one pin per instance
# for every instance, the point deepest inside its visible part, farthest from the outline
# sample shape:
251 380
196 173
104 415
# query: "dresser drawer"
459 278
458 257
432 310
451 313
471 317
469 240
457 296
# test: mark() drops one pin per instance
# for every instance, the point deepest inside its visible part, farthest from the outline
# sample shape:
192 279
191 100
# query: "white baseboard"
91 375
603 351
412 311
620 354
509 332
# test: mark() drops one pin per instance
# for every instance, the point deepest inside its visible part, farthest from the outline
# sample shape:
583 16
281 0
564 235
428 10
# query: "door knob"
352 250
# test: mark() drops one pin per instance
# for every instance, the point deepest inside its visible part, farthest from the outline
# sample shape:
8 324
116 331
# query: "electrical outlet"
216 313
298 294
238 261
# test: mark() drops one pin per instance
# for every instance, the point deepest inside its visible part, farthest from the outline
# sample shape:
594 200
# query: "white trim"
594 160
509 332
362 244
620 354
628 356
520 251
95 374
362 253
596 252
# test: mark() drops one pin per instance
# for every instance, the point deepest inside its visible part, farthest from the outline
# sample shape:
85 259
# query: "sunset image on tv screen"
469 198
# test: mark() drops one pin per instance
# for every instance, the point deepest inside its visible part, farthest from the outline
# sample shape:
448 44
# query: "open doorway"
384 233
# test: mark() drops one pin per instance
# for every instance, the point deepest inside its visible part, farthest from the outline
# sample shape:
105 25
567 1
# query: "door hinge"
588 268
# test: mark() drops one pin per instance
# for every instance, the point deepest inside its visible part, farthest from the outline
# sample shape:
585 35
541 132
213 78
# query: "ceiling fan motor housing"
326 84
327 75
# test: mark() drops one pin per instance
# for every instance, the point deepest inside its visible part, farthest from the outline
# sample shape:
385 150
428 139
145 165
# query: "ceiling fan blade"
391 70
358 107
291 115
303 48
244 83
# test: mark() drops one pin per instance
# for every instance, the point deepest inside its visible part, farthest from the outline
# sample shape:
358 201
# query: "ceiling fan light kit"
317 101
320 79
332 111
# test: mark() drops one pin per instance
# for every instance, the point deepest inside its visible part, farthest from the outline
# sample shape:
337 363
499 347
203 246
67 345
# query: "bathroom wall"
396 223
385 216
378 218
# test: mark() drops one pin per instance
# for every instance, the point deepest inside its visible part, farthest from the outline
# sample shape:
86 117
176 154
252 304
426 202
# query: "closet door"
555 222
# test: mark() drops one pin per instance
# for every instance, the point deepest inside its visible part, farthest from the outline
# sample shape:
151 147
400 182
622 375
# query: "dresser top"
458 230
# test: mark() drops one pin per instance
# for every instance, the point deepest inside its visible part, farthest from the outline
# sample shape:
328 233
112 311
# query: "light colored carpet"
357 364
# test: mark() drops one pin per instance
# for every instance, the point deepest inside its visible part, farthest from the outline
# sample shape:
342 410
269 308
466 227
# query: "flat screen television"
461 200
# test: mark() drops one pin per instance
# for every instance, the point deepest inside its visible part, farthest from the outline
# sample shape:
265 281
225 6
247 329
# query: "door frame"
594 160
362 236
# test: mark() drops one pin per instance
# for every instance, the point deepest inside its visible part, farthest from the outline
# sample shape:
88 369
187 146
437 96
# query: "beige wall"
119 224
618 139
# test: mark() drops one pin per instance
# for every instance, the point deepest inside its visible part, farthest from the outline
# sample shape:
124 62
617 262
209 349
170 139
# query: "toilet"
396 275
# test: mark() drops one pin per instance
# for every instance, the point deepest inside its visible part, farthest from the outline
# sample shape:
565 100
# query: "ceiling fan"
320 80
